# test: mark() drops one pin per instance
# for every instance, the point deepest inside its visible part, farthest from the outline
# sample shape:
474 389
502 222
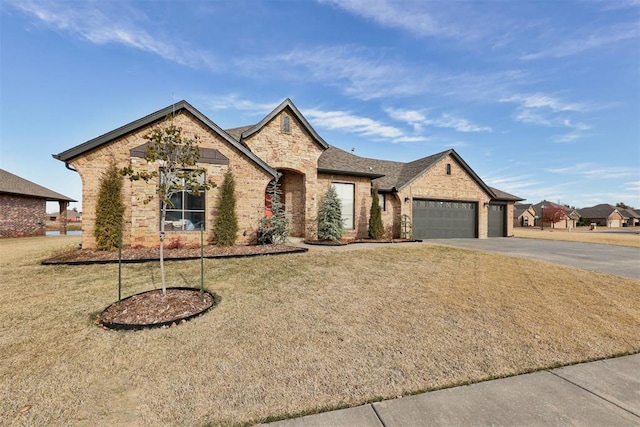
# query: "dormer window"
448 168
286 124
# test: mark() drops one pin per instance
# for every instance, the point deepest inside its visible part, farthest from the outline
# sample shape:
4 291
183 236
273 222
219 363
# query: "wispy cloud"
236 102
588 40
358 72
344 121
593 170
550 111
418 119
409 16
103 23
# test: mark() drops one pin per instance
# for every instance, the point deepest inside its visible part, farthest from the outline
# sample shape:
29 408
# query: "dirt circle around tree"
152 309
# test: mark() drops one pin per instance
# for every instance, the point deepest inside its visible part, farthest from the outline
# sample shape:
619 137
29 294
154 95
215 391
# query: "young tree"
330 225
109 210
274 226
226 227
176 157
376 228
552 215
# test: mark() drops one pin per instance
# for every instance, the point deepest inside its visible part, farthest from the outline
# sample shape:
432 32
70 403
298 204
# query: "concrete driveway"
618 260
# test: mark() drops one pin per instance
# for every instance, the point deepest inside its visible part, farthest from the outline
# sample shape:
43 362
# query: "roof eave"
350 173
94 143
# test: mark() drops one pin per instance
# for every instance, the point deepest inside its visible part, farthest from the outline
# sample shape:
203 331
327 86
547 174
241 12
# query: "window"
286 124
185 211
448 168
346 194
382 202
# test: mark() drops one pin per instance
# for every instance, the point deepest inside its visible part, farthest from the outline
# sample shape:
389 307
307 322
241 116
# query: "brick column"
63 217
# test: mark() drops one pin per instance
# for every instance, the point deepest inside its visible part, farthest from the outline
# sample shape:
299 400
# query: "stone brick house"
23 207
436 196
604 215
524 215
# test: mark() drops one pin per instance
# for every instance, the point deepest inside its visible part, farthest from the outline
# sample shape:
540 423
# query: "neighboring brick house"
72 216
566 217
524 215
631 217
436 196
604 215
23 207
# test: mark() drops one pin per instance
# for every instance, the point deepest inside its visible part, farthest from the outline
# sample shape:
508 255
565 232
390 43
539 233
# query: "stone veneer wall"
141 221
22 216
436 184
293 153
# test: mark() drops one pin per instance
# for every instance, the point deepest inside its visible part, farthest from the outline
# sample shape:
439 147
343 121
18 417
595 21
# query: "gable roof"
519 209
394 176
504 196
176 108
13 184
287 103
602 210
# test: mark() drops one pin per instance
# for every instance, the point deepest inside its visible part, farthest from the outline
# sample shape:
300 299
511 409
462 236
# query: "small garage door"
444 219
497 220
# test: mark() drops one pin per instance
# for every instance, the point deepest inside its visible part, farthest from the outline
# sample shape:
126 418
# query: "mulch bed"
151 309
136 255
343 242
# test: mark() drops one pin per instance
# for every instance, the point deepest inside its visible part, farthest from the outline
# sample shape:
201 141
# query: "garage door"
497 219
444 219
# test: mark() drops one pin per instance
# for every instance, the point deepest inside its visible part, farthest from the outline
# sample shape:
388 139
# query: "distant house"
72 216
604 215
23 207
631 217
524 215
556 216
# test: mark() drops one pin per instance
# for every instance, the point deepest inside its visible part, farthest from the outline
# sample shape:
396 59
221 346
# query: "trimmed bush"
109 210
226 224
376 228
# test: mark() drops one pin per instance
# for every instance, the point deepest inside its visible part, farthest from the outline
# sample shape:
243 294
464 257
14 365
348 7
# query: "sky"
540 98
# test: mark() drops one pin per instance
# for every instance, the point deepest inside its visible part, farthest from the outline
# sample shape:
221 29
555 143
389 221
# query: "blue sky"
541 98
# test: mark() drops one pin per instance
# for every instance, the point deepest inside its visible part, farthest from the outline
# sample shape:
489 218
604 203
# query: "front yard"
294 333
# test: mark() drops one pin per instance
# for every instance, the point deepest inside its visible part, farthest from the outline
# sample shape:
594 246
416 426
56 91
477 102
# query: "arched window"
448 168
286 124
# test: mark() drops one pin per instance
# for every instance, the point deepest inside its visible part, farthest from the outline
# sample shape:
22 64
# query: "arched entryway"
292 187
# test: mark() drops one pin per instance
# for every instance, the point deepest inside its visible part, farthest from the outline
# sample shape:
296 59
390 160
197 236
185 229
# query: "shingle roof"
598 211
628 213
13 184
503 195
519 209
94 143
236 133
394 176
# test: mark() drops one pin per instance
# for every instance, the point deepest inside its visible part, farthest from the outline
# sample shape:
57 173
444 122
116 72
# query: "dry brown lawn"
293 334
581 234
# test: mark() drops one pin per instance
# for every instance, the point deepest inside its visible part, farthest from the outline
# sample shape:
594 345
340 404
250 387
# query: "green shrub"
376 228
274 228
330 224
109 210
226 224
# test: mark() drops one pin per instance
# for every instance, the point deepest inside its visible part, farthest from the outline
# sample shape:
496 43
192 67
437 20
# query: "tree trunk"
163 215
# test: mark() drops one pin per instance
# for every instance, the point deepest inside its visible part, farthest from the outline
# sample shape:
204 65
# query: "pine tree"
226 226
274 228
109 210
376 228
330 224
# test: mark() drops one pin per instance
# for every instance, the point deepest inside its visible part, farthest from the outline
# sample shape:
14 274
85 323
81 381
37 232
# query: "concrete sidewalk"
602 393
